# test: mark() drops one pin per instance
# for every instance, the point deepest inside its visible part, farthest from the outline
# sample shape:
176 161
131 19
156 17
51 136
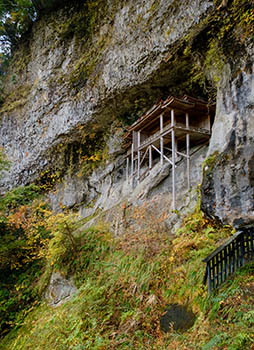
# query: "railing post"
209 277
242 248
226 259
252 243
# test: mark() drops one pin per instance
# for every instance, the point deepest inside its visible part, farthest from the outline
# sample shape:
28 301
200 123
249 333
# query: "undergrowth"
123 291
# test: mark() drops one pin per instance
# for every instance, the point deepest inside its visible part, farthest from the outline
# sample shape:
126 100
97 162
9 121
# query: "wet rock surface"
228 186
178 317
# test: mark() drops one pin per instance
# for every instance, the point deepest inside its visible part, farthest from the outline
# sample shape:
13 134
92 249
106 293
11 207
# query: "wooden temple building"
169 129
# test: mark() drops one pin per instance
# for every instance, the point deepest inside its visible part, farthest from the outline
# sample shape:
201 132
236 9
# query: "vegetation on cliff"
124 285
17 17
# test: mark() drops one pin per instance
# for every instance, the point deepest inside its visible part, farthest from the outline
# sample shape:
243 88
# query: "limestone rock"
228 183
59 290
118 201
53 110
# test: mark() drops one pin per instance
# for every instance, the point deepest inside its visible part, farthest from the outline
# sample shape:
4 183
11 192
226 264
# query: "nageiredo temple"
169 129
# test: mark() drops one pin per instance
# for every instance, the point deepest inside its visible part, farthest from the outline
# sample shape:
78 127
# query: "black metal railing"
225 260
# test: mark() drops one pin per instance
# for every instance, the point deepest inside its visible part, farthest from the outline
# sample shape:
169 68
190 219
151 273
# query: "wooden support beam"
156 149
177 152
135 140
172 118
161 138
150 158
127 169
132 164
142 159
209 123
173 161
188 149
138 156
167 131
176 147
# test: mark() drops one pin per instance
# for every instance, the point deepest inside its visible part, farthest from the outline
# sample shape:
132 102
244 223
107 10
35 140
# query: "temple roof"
189 104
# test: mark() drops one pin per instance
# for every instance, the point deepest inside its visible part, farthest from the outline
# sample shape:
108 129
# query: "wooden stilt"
150 158
176 148
209 123
127 169
143 156
138 156
173 159
188 149
132 164
161 138
156 149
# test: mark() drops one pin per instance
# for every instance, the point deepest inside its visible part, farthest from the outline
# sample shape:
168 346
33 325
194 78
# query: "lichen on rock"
59 290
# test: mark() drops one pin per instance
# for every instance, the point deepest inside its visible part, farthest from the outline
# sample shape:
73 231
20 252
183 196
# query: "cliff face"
64 85
85 68
228 184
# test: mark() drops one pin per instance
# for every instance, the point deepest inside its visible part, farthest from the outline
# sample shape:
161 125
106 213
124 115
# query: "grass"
123 292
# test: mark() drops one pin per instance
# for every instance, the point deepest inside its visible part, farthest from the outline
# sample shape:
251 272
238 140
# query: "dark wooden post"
209 277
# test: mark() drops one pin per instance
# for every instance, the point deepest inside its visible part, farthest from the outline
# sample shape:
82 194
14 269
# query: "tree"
16 17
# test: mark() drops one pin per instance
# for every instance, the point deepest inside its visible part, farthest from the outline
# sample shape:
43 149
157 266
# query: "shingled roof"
185 104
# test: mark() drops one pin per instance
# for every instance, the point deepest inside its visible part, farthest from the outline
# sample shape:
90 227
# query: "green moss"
84 68
80 157
84 26
227 33
154 6
84 20
139 106
16 99
21 58
210 162
220 38
91 204
214 159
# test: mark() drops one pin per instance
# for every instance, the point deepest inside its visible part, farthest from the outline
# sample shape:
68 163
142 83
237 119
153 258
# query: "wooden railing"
167 129
225 260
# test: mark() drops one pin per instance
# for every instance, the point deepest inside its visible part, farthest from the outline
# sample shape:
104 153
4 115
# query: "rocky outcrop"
88 65
228 184
147 206
67 81
59 290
